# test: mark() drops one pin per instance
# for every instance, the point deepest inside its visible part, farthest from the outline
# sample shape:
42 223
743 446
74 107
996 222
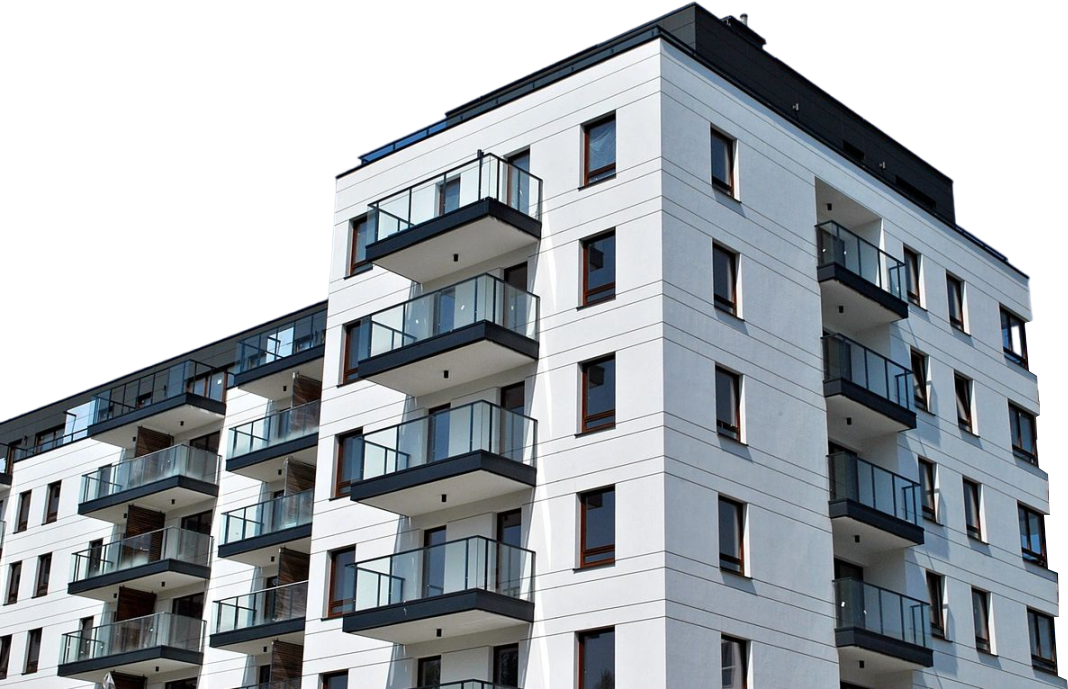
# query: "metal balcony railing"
837 245
877 610
179 460
165 544
190 377
274 429
844 359
852 478
283 341
467 684
277 604
140 633
267 517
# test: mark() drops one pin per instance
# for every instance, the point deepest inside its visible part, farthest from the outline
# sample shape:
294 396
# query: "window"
193 604
5 655
728 404
197 523
1024 434
597 659
361 237
929 501
44 574
519 183
734 662
1032 535
14 580
429 672
723 162
349 468
972 507
598 528
33 650
725 279
981 619
963 388
341 581
52 502
1013 338
599 394
731 536
23 519
599 268
912 276
935 597
955 291
919 380
351 365
1043 641
506 665
335 680
189 683
49 438
599 156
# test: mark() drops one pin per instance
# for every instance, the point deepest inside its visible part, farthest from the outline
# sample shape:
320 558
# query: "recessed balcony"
446 459
165 559
253 534
244 624
862 285
259 448
885 630
872 509
267 361
460 218
453 589
179 399
448 337
173 478
867 394
150 645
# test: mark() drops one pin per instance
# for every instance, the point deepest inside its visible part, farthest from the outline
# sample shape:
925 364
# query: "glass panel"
275 604
268 517
883 612
837 245
853 478
179 460
285 340
598 660
164 544
187 377
844 359
160 629
275 429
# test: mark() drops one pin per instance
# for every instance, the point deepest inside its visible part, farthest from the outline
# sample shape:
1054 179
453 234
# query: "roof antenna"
745 18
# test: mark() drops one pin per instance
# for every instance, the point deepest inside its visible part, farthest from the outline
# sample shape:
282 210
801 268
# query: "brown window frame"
936 598
608 171
33 651
14 582
727 185
955 292
973 493
605 292
342 485
921 394
43 576
1038 661
48 435
350 371
585 553
327 677
729 303
581 639
983 642
912 276
335 608
52 495
1018 449
732 427
928 489
1008 321
963 385
1041 557
5 655
590 422
728 639
356 264
22 515
732 562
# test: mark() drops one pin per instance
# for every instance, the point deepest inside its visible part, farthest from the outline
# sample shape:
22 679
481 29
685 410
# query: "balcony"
450 458
867 394
245 623
862 285
150 645
182 398
460 218
885 630
6 463
461 587
168 558
872 509
253 534
467 684
454 335
276 684
267 361
173 478
259 448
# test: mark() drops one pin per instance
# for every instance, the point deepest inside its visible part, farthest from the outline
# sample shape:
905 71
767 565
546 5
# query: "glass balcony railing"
267 517
837 245
274 429
485 177
445 434
190 377
844 359
468 564
852 478
165 544
276 684
179 460
277 604
467 684
138 634
286 340
874 609
484 298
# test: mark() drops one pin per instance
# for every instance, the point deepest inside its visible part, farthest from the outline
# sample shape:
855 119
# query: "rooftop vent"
741 27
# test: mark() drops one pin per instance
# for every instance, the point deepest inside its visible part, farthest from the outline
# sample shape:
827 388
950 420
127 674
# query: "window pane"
732 652
723 278
599 526
336 680
341 582
927 485
971 509
352 351
506 665
361 237
727 404
981 619
598 654
955 289
429 671
349 463
912 276
599 379
964 401
600 268
730 535
919 378
600 150
722 160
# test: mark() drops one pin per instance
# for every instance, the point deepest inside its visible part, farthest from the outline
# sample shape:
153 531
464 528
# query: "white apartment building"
659 367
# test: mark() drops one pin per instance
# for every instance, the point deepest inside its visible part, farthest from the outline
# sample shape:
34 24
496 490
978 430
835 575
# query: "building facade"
656 368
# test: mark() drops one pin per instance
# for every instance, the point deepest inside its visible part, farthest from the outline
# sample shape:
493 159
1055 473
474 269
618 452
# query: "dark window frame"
733 562
5 655
936 598
603 420
350 371
357 264
913 292
983 640
342 485
581 640
22 518
606 292
730 427
52 495
921 391
605 172
730 143
726 639
33 651
498 670
1016 414
326 678
928 489
421 666
586 553
14 582
48 435
954 294
335 607
43 576
727 303
1039 557
1039 661
973 503
1008 321
964 386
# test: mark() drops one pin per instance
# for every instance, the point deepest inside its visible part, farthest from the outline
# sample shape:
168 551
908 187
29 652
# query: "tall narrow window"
929 503
725 279
519 183
351 364
955 291
5 655
598 527
506 665
723 162
599 156
44 575
963 388
52 502
981 619
1043 641
429 671
1024 434
1032 535
349 467
1013 338
734 662
14 580
597 659
23 518
341 581
599 268
973 509
912 276
33 651
599 394
728 404
361 237
335 680
935 597
919 379
731 536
